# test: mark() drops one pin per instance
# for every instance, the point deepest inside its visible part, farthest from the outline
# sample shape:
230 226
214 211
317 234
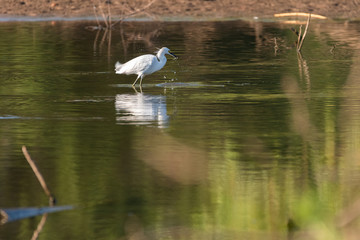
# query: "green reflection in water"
256 140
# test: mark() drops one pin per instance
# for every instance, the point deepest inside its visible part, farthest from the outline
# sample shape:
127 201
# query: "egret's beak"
175 57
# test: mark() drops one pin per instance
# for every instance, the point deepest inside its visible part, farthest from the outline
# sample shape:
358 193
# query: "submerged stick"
39 176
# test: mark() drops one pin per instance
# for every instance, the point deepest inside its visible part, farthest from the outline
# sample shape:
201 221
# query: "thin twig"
304 35
299 39
38 175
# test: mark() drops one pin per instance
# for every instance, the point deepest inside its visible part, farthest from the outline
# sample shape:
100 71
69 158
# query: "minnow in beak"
175 57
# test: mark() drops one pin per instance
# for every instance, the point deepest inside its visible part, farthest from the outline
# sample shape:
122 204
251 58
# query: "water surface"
231 141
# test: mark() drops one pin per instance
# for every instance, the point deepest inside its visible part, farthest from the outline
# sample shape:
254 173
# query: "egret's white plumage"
144 64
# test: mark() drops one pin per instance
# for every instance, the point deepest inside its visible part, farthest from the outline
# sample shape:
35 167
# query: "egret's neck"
161 56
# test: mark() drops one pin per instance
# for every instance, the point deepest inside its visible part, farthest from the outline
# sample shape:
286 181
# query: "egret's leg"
135 89
142 76
136 80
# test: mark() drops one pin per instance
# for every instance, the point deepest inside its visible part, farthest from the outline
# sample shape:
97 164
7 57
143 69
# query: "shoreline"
295 20
176 10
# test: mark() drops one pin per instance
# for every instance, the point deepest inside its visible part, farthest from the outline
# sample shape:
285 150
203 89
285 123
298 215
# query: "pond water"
237 139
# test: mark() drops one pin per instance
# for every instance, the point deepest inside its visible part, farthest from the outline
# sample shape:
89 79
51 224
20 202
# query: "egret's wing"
138 64
118 66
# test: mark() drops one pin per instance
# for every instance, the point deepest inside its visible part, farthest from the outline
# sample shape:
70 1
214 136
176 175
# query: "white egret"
144 64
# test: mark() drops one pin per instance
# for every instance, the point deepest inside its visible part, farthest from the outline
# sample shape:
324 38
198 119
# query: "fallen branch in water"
39 176
13 214
299 46
301 36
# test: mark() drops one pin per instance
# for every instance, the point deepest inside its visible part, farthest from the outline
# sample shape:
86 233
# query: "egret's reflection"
141 108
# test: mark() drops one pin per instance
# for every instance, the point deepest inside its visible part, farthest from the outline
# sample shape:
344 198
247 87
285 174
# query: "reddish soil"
178 8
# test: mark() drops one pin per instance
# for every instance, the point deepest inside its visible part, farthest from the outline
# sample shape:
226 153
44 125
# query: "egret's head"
165 50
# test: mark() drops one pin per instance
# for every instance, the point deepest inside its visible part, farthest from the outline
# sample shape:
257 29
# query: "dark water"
231 141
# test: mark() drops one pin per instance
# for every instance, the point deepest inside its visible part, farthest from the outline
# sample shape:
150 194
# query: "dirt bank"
179 8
